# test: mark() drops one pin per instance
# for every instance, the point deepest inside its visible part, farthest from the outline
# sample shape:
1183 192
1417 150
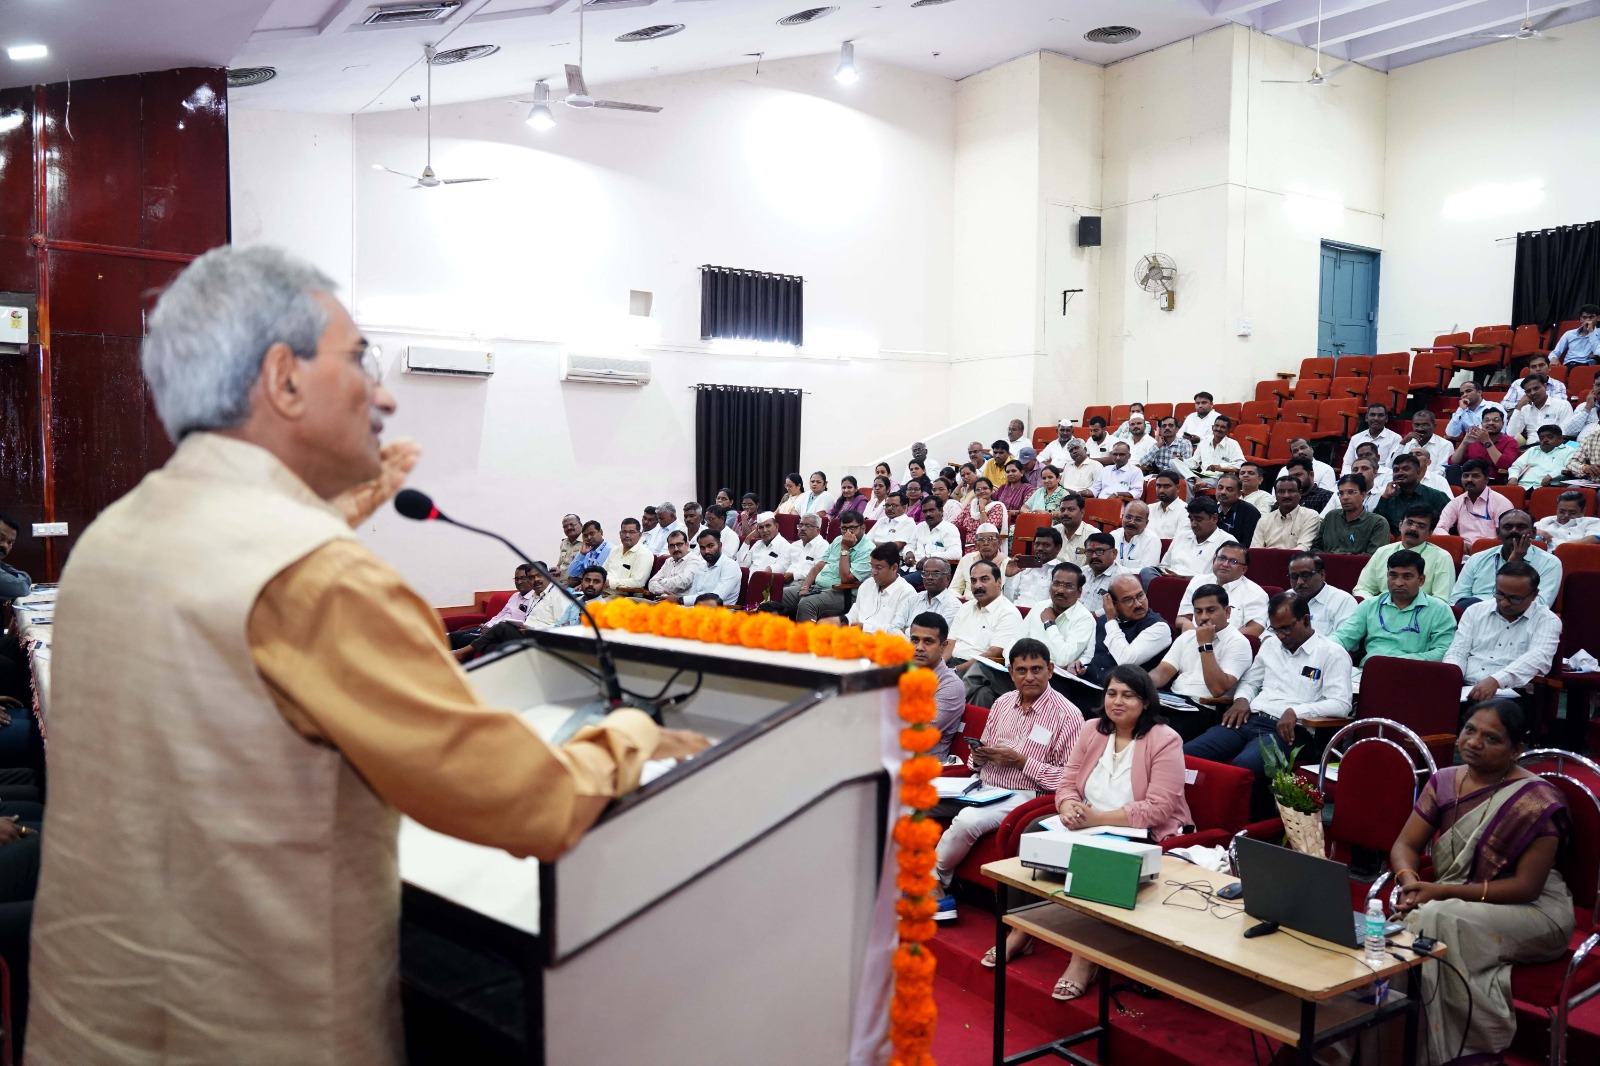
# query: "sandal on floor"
989 956
1066 990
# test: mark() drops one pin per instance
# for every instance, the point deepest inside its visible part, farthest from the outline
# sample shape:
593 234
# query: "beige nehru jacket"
228 752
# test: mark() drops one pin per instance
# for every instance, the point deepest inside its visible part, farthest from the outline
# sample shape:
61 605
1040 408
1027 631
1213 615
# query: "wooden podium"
719 914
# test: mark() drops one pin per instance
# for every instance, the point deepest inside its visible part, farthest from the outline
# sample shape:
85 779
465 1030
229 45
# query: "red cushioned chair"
1270 566
1423 696
1580 379
1105 514
1391 364
788 525
1219 801
1579 629
1452 544
1343 571
491 607
762 588
1352 366
1165 594
972 723
1155 412
1029 522
1312 388
1319 367
1542 501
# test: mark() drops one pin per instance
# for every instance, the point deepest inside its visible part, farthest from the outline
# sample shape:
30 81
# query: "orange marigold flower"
753 630
800 637
915 884
920 907
778 630
822 640
847 643
918 711
893 650
913 961
919 797
916 929
918 738
919 684
917 834
916 862
920 770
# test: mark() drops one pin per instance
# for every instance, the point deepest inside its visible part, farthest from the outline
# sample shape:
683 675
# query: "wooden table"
1290 990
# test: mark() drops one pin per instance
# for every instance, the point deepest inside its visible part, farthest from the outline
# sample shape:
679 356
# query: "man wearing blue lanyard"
1516 542
1404 622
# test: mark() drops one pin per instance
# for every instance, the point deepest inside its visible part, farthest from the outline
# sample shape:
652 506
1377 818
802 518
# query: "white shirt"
1329 609
803 555
945 605
1095 586
1109 786
1263 501
1386 442
1198 425
961 580
1525 421
1114 482
547 609
942 541
1055 454
1297 531
977 628
1513 653
1073 544
892 530
876 609
1556 389
1313 680
1323 476
762 557
1439 451
722 579
516 610
730 542
816 503
1247 601
1144 550
1187 557
1029 584
676 575
1069 636
1577 529
1080 479
1138 449
1099 449
1166 522
655 540
1207 454
1232 651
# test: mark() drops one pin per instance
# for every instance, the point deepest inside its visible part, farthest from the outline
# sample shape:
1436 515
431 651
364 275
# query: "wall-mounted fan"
428 179
1158 274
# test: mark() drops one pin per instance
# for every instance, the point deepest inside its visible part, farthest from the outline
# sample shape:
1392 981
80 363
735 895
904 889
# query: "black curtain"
751 305
746 439
1557 271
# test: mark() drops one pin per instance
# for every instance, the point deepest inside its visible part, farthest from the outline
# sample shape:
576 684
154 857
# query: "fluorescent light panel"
21 52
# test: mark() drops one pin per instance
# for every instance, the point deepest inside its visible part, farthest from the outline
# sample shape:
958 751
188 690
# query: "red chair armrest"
1018 821
464 621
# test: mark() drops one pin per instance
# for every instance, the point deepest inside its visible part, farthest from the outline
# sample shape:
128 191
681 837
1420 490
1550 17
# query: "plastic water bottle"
1376 942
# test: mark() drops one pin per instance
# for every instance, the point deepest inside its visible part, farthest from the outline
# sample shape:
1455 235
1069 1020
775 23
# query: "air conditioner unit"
605 369
453 362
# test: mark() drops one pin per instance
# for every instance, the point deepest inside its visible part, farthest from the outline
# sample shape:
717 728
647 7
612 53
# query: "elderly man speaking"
226 776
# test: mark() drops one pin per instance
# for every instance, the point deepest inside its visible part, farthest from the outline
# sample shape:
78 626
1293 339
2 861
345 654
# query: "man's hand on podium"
680 744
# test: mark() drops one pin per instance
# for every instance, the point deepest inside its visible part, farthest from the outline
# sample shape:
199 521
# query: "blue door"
1347 306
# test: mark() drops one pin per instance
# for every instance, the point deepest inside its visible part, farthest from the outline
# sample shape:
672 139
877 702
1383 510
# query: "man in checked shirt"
1025 747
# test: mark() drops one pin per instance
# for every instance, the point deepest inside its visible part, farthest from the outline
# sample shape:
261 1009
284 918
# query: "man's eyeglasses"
1503 597
372 363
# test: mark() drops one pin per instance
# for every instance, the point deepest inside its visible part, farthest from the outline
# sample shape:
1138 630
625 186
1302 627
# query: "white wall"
1482 144
292 185
787 171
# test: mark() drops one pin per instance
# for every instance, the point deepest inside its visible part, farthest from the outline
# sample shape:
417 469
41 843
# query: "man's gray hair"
669 507
213 325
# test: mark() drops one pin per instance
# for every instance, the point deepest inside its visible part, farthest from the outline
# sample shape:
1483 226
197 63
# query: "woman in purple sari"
1496 897
1015 492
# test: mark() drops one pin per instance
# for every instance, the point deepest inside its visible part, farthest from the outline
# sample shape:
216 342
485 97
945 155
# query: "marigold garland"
772 632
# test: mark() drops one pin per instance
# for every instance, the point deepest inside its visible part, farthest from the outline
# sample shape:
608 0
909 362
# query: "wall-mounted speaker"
1089 231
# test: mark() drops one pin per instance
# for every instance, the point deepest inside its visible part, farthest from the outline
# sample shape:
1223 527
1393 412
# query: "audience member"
1352 530
1121 478
1058 453
818 499
571 544
1538 408
1402 623
707 599
693 522
14 583
655 540
717 522
1217 454
1024 748
1288 525
995 468
591 589
1137 547
1504 643
1251 492
880 599
935 597
1584 415
1247 600
1030 584
1199 422
628 569
1014 432
1127 632
1377 432
1546 463
1308 579
1377 480
724 499
983 510
1428 478
986 625
1475 513
850 498
1516 543
986 548
1191 551
1538 367
678 572
1047 497
808 549
933 538
1469 415
769 552
1073 529
1170 449
1568 525
515 610
916 501
943 500
794 495
1030 466
1059 621
1487 441
745 521
720 576
848 559
1169 514
1080 472
1015 492
1298 673
1323 476
873 510
1208 658
1414 528
1101 568
1135 433
1586 463
595 551
1098 444
896 528
1580 346
1312 497
927 631
1235 517
1405 491
1424 434
885 471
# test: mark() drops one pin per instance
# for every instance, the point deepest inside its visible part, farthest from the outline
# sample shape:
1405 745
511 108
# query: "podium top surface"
779 667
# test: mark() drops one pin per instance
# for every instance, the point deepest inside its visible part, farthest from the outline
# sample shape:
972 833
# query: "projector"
1050 851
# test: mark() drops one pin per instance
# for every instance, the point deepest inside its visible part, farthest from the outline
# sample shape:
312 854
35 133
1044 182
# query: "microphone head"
415 505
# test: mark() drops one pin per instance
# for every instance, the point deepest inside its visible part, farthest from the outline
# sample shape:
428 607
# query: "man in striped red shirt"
1024 748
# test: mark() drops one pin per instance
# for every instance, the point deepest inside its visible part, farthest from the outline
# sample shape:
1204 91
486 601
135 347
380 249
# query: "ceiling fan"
578 91
1317 76
1526 32
428 179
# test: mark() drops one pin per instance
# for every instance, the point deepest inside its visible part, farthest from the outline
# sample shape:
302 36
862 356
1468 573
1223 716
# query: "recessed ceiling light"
239 77
929 3
810 14
650 33
464 55
1111 35
20 52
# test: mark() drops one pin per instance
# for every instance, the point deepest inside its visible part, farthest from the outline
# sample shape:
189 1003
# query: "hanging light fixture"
846 74
540 117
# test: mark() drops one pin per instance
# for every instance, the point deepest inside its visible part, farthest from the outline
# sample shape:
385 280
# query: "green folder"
1103 876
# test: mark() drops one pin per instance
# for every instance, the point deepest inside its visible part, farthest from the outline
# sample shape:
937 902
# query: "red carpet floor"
1152 1031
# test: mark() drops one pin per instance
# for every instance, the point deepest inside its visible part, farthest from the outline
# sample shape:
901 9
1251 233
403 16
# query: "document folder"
1102 875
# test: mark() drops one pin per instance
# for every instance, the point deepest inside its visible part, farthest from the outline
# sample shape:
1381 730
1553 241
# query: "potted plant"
1299 805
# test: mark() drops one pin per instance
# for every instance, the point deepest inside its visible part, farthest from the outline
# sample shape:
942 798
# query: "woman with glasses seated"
1496 897
794 491
984 508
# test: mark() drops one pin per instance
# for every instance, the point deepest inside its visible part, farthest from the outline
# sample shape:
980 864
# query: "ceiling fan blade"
1488 36
462 181
1337 69
1285 81
1542 23
617 105
575 84
392 170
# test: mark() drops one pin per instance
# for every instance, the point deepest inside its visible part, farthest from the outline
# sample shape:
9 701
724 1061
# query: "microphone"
419 506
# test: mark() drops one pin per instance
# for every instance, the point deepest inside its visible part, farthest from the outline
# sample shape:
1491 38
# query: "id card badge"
1040 735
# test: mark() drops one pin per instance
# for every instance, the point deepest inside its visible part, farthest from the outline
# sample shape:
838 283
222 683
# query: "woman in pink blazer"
1127 771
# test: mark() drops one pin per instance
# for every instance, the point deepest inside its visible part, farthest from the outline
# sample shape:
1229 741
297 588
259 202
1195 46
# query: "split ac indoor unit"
452 362
605 369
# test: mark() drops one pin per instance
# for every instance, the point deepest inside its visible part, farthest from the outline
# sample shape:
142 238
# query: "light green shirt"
1533 465
1438 579
1422 631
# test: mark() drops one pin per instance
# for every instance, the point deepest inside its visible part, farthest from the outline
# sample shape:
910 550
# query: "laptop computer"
1302 892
